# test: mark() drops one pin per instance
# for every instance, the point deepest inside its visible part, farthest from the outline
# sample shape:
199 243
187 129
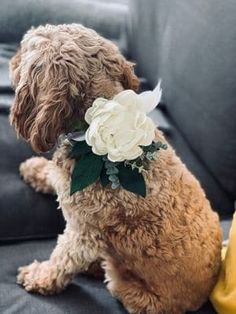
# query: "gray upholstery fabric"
24 213
5 102
191 46
107 17
219 200
85 295
6 52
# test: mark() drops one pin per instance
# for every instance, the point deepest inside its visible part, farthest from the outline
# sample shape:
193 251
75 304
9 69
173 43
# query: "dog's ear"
51 80
54 105
130 80
117 67
22 111
15 68
21 114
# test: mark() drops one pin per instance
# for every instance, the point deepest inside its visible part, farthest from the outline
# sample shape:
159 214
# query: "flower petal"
128 98
151 99
118 127
115 156
149 132
135 153
98 103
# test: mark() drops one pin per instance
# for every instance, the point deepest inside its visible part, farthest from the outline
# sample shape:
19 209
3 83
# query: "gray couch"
190 45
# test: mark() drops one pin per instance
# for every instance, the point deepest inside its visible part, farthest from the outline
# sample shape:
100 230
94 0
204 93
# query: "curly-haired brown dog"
161 254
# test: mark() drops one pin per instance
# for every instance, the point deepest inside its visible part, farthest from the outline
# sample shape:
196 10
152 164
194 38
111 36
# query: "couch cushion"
6 52
85 295
191 46
218 198
107 17
23 212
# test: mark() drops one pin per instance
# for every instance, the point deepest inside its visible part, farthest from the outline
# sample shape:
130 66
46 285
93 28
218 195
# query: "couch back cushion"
108 17
191 45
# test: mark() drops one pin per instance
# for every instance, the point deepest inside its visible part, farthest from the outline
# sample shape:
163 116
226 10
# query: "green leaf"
79 148
86 171
132 180
104 177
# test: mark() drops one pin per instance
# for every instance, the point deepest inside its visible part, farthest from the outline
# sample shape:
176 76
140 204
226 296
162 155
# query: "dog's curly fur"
161 254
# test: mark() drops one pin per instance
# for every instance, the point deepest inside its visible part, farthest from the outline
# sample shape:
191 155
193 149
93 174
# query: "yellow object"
223 296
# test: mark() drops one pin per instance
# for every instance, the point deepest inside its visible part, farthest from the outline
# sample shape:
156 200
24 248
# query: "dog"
160 254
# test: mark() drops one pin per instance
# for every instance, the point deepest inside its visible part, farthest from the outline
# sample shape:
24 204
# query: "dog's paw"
34 171
40 278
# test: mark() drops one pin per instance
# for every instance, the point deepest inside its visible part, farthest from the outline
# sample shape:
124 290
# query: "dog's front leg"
74 253
35 172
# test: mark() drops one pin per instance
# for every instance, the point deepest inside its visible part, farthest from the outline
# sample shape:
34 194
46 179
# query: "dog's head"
57 73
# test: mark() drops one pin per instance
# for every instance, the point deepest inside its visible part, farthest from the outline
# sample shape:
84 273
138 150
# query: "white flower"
118 127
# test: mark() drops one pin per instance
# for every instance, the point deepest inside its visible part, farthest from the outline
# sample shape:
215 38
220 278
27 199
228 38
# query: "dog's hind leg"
134 294
35 172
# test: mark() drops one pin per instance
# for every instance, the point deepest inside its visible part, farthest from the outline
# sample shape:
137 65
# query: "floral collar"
116 142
